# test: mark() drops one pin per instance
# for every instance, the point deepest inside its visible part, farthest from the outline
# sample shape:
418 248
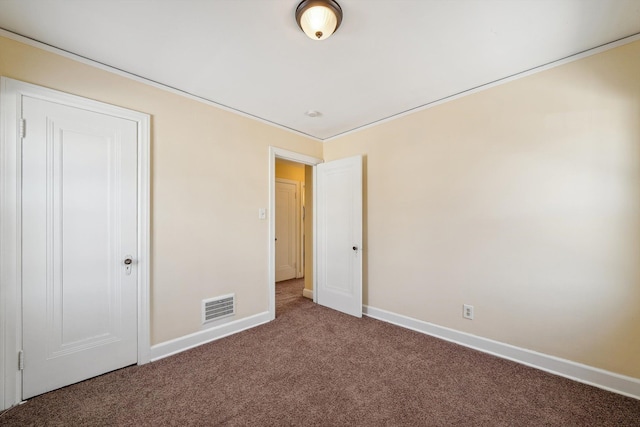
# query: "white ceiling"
389 56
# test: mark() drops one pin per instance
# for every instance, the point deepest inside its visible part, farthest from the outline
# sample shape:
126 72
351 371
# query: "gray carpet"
314 366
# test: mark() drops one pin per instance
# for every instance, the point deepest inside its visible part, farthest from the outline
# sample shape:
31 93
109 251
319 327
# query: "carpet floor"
313 366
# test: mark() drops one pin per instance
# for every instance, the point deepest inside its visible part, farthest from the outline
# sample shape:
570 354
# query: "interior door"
79 242
339 226
286 228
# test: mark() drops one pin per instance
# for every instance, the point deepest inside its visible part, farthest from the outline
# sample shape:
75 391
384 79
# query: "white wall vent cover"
219 307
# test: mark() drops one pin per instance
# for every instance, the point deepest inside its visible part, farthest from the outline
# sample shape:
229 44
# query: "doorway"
336 236
300 168
293 231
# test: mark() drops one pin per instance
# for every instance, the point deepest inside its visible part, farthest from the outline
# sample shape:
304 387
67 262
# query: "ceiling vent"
219 307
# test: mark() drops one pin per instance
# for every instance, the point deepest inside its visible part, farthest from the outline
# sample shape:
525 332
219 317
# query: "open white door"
339 234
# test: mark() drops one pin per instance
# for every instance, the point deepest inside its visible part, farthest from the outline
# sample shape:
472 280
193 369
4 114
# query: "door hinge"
21 360
23 128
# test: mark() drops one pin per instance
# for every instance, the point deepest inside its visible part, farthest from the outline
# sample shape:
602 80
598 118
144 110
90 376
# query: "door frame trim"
11 94
281 153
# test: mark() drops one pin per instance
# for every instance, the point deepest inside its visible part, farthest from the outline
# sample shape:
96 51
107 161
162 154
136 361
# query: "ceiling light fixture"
319 18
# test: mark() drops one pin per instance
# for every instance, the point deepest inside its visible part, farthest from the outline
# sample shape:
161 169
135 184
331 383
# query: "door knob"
128 263
355 248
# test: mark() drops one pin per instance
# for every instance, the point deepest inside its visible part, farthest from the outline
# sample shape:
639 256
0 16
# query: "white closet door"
79 181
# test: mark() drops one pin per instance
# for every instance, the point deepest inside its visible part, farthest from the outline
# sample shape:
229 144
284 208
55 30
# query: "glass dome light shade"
319 18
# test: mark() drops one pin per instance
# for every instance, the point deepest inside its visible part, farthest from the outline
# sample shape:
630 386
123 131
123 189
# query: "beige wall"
206 238
289 170
522 200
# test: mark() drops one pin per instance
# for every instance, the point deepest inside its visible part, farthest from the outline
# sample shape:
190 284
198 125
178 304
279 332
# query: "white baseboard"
178 345
307 293
606 380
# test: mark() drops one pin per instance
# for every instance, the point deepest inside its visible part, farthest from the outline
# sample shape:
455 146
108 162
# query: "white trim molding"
11 95
178 345
621 384
307 293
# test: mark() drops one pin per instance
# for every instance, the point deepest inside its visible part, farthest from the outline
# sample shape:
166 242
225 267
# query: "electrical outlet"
467 311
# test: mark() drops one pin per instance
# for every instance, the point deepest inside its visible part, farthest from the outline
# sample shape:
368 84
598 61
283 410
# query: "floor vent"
219 307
